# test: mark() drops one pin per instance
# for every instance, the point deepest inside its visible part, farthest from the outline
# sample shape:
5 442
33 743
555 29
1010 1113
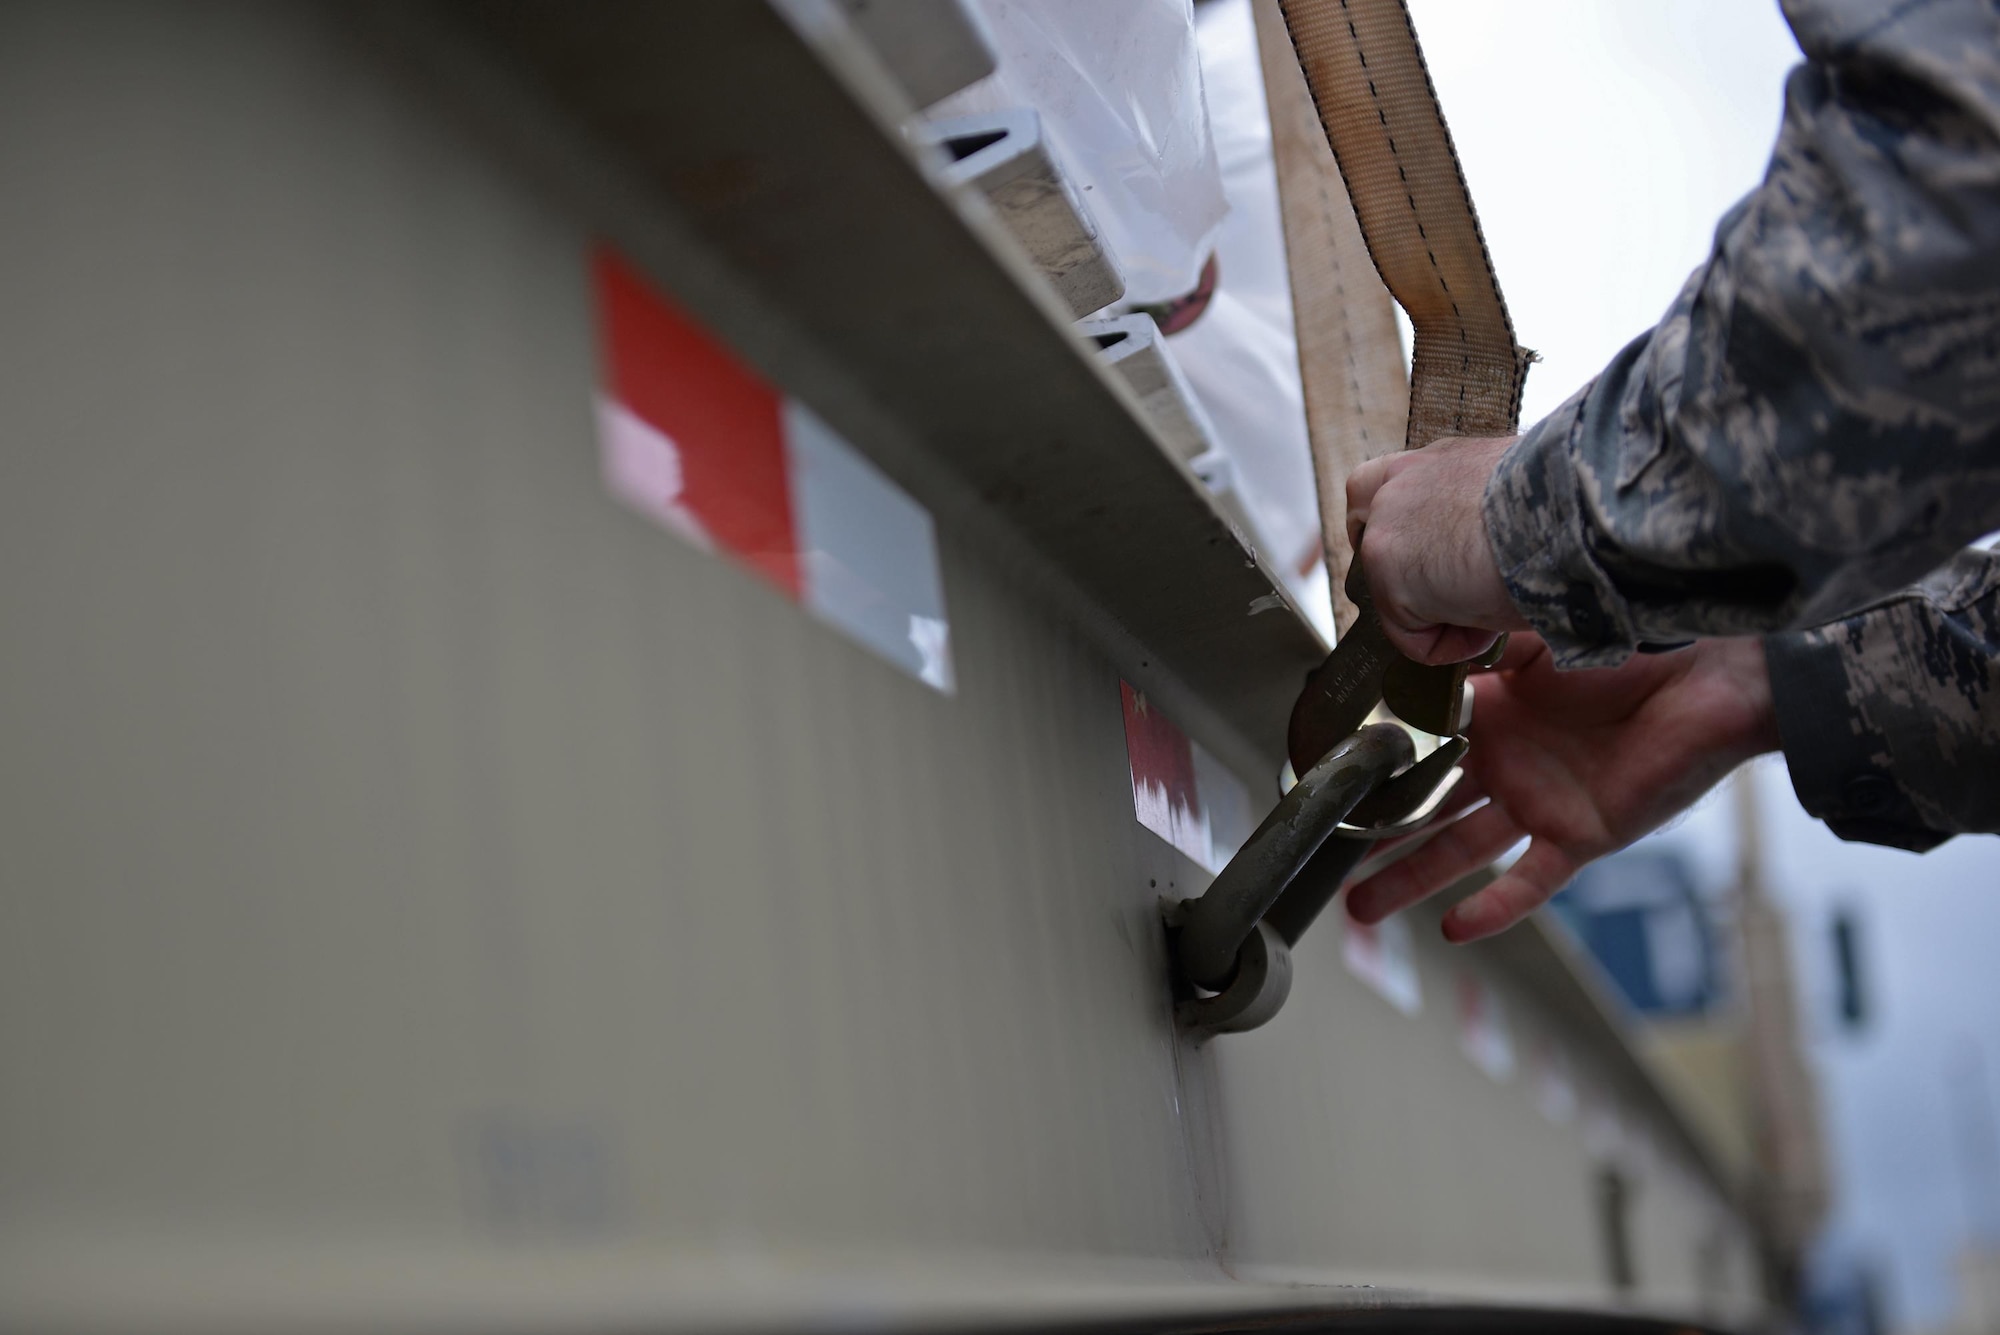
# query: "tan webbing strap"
1357 394
1375 102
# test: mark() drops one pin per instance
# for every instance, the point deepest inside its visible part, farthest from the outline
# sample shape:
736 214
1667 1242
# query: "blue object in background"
1639 915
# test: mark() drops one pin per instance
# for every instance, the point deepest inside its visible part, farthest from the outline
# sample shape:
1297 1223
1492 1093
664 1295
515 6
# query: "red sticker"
1165 794
703 435
699 443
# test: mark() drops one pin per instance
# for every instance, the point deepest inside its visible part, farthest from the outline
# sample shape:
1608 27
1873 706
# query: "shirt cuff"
1840 766
1538 525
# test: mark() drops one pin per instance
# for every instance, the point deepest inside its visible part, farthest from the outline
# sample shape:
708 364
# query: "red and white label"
701 444
1179 791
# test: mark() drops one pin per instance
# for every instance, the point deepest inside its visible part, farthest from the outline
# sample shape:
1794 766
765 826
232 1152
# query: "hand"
1418 521
1582 763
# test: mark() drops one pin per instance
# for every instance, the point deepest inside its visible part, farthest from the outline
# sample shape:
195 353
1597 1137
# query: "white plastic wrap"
1119 89
1241 355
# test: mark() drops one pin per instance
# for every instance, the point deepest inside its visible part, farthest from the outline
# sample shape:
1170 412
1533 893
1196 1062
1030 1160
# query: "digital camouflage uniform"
1811 437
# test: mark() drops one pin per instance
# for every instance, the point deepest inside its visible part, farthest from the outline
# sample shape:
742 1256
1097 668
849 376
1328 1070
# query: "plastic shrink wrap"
1156 112
1241 356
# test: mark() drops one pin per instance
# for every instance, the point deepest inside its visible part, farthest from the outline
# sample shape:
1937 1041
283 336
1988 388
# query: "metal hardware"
1363 785
1365 670
1404 803
1343 690
1263 980
1213 930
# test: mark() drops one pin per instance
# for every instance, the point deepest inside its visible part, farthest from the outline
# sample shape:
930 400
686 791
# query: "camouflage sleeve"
1816 422
1891 718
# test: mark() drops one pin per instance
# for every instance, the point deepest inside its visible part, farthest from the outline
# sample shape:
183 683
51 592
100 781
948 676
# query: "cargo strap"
1375 101
1358 781
1357 391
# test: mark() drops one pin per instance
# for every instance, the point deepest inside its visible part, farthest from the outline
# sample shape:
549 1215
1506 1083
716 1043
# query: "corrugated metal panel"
434 889
1361 1141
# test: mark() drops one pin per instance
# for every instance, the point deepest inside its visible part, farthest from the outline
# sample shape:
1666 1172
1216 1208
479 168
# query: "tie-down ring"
1234 942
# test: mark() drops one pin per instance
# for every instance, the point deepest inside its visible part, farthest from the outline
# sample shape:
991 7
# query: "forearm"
1813 425
1891 718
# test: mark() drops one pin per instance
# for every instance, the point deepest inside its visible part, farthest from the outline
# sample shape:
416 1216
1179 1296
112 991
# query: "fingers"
1437 644
1461 849
1513 895
1362 484
1417 523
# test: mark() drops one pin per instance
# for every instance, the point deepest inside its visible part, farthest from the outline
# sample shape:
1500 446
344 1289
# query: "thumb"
1362 484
